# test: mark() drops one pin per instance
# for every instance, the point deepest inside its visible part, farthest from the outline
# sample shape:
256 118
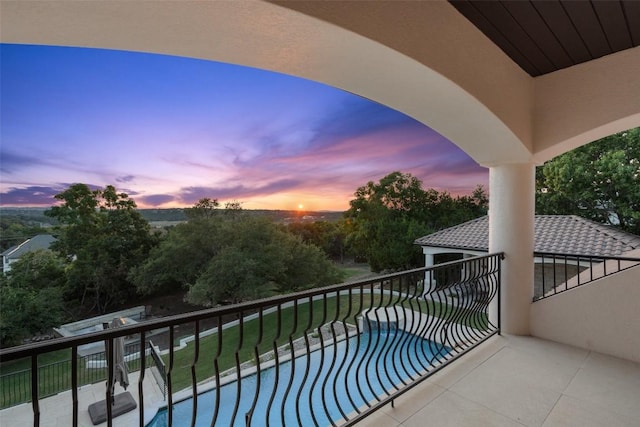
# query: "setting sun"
300 206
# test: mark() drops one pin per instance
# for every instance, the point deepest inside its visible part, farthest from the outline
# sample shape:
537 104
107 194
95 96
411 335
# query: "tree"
386 217
14 230
103 236
227 259
204 208
180 257
31 296
599 181
328 236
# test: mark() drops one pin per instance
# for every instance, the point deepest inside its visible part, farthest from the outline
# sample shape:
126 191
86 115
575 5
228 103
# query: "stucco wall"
602 316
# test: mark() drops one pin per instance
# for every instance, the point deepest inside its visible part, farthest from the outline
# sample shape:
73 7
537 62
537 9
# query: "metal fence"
55 377
326 356
160 374
556 273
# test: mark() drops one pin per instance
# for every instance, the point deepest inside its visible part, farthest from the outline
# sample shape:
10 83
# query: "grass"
355 271
55 367
263 339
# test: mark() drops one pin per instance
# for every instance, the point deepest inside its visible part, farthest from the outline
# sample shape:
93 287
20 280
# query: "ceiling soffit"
546 36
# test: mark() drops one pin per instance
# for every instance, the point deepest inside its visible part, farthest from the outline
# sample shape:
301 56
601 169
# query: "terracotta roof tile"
568 234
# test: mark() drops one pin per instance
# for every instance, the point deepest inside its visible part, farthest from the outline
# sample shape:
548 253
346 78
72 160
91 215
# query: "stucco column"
511 230
429 280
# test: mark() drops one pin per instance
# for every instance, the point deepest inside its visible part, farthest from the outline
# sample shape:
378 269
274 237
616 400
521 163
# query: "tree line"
107 256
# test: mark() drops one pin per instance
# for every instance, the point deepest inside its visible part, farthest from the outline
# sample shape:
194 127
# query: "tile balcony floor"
507 381
522 381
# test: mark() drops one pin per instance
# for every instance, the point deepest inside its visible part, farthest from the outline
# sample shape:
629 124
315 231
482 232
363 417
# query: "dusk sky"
169 131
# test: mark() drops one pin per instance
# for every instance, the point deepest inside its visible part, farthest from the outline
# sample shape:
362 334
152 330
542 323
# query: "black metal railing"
160 373
556 273
327 356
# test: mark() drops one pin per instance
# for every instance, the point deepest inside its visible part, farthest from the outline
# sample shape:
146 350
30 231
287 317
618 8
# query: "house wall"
601 316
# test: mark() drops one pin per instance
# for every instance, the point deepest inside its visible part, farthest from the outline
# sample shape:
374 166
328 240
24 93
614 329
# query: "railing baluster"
169 377
34 390
216 370
110 375
305 376
287 393
319 369
276 356
238 367
74 384
194 381
143 367
566 270
256 355
334 355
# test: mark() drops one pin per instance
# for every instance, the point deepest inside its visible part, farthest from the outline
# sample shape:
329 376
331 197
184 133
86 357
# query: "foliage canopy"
599 181
223 259
104 236
31 296
386 217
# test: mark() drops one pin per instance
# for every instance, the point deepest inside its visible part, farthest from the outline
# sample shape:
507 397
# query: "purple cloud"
156 199
12 162
30 196
191 195
126 178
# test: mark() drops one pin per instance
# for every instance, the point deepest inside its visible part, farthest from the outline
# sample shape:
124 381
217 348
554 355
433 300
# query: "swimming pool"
339 380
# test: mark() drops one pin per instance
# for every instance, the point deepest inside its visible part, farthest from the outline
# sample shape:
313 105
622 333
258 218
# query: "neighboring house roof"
567 234
41 241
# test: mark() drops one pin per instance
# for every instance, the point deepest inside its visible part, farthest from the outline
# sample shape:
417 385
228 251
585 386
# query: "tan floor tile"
18 416
468 362
520 367
506 384
452 410
612 367
536 348
412 401
604 384
570 412
379 419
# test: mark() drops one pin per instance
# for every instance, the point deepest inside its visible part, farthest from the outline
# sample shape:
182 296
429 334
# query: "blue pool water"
348 375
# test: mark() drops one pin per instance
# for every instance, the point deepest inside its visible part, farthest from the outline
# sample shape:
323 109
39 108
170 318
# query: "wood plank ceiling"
549 35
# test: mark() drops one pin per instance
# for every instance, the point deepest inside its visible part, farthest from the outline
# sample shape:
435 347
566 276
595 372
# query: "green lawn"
354 271
181 375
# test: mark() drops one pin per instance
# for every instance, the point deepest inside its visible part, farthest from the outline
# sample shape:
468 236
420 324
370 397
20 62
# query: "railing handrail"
598 266
26 350
603 257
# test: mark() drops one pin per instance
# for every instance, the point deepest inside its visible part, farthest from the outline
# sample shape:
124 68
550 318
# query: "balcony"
481 378
429 61
508 380
324 356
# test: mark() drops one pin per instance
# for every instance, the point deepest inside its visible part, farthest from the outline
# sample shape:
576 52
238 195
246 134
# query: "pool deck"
55 411
507 381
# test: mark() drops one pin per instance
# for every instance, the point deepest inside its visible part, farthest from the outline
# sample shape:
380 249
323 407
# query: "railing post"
499 293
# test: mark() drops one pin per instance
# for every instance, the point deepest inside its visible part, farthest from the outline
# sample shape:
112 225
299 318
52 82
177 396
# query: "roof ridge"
607 230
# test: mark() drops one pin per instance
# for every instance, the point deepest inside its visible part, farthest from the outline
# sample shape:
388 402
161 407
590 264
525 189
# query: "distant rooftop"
41 241
568 234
